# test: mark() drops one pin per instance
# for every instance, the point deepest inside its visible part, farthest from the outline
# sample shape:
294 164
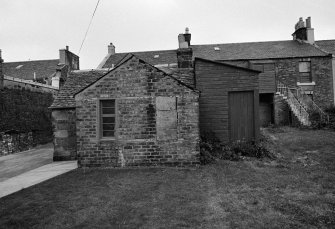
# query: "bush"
331 112
316 121
211 149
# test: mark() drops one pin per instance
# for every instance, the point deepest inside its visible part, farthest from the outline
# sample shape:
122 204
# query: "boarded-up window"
166 120
107 118
305 72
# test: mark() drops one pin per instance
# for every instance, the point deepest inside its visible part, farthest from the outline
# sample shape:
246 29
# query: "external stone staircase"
300 103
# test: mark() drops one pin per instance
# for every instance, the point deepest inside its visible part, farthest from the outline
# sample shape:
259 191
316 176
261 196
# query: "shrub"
317 122
211 149
315 119
331 112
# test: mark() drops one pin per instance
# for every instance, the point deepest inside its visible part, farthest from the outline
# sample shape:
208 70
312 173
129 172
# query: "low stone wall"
14 142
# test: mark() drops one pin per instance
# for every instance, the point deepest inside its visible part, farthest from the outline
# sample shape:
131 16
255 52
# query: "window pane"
108 120
108 110
305 77
304 66
108 127
108 103
108 133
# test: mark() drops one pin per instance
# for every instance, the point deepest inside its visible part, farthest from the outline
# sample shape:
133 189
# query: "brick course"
135 86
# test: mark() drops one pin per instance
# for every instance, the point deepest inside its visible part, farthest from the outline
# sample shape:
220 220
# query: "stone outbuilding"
134 114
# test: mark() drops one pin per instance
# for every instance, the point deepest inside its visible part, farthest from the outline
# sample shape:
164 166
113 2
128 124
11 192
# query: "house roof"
75 82
257 50
229 51
151 57
26 69
327 45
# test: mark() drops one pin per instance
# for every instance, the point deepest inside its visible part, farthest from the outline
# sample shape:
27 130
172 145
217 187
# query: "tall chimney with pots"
185 53
304 31
68 58
1 72
111 49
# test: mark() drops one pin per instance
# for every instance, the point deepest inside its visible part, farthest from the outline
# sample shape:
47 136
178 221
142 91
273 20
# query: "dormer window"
216 48
156 56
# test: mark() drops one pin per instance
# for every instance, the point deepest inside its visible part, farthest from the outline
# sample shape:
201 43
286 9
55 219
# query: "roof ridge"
146 51
25 61
246 42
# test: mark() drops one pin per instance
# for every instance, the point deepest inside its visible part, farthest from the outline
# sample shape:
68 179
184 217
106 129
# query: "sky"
37 29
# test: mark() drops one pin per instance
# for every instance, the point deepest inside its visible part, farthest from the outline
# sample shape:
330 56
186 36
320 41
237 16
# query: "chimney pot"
111 49
187 30
67 48
308 22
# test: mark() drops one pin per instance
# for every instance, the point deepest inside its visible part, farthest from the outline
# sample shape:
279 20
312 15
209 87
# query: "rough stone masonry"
157 119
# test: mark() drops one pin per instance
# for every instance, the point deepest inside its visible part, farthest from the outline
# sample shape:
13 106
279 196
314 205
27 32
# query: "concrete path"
18 163
22 170
35 176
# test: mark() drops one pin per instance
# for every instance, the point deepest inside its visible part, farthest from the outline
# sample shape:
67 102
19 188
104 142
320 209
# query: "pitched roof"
256 50
26 69
151 57
327 45
74 83
230 51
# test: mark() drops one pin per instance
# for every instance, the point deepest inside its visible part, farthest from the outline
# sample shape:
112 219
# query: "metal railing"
301 104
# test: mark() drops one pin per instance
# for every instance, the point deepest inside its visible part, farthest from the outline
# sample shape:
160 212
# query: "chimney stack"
184 40
68 58
185 53
304 32
1 72
111 49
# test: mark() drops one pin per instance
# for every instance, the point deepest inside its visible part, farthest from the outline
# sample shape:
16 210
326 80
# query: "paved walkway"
22 170
35 176
18 163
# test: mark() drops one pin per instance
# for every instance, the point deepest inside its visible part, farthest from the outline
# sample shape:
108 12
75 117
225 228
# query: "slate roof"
151 57
257 50
74 83
327 45
25 69
230 51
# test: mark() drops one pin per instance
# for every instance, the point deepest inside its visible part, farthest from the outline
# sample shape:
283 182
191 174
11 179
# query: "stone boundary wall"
16 83
14 142
25 119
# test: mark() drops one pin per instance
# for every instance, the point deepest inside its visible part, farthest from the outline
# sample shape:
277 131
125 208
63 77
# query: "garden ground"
295 190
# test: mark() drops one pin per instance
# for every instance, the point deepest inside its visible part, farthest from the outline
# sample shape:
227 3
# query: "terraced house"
150 107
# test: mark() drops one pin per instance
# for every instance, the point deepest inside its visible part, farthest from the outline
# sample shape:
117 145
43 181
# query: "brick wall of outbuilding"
135 86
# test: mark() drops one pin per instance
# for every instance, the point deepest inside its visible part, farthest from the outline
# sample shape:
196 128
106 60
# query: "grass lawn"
296 190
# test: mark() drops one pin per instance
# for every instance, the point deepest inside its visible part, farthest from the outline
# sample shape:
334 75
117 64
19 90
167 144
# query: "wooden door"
241 115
